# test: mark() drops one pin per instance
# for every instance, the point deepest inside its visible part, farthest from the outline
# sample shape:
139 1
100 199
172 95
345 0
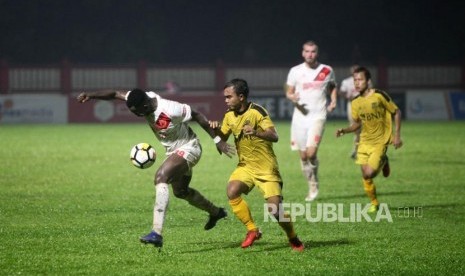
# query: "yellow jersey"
254 153
375 113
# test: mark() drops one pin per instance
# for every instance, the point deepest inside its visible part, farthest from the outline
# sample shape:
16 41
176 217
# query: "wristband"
217 139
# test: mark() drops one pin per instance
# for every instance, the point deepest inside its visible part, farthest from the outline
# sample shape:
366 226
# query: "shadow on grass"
322 199
308 245
317 244
261 246
433 206
213 246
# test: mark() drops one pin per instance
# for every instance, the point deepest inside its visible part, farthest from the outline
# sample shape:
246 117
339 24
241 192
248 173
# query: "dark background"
254 31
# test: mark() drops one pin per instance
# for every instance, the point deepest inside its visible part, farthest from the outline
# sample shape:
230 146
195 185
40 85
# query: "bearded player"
307 86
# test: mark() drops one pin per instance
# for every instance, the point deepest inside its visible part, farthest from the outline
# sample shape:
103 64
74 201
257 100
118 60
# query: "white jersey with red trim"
169 123
311 85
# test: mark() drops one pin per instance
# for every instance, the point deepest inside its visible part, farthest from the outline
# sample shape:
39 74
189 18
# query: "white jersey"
311 85
348 88
169 123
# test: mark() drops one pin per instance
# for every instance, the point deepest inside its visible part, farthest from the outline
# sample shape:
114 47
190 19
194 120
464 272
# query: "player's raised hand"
248 129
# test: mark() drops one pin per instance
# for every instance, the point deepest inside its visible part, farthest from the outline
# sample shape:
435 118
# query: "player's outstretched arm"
101 95
221 145
216 126
353 127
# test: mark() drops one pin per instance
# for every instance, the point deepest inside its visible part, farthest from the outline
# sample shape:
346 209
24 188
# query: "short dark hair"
363 70
135 98
240 86
311 43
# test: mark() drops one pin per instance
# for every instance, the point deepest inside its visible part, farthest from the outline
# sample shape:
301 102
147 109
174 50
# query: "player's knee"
369 174
232 194
160 177
234 190
309 157
180 193
312 158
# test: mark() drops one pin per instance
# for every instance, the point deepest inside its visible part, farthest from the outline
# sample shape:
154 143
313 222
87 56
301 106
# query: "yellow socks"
370 190
242 212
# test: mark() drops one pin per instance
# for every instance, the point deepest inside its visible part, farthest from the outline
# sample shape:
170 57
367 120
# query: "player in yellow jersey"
373 111
254 134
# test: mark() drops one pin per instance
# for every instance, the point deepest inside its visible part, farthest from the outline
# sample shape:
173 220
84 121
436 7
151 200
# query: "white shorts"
303 137
191 151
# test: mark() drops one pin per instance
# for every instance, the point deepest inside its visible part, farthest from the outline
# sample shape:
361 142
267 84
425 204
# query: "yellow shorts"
270 185
373 155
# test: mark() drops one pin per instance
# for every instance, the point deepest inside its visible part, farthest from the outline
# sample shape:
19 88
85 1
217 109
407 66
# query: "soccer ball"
143 156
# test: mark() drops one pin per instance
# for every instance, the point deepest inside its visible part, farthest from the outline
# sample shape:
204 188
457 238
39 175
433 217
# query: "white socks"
310 170
162 196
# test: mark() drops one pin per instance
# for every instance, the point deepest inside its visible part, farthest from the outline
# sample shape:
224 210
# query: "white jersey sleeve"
292 77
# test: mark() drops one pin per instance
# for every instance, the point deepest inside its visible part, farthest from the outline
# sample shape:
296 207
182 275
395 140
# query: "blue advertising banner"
457 104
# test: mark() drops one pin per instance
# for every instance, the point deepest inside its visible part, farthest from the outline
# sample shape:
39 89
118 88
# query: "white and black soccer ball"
143 156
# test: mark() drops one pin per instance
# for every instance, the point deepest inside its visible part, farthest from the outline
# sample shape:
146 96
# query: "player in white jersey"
169 122
347 90
307 87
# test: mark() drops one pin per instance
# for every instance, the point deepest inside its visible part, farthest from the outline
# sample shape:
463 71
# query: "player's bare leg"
386 167
182 190
276 210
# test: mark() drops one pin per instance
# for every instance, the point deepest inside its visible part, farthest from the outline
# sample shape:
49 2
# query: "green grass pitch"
72 203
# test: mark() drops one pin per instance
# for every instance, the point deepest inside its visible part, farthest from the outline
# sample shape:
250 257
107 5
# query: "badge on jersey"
163 121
